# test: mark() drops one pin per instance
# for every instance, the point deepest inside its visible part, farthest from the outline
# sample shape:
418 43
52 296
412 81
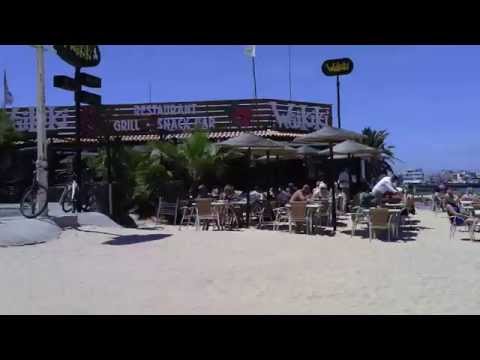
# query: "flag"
7 95
250 50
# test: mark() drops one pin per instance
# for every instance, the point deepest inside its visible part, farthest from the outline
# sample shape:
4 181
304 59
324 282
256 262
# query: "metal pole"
350 164
334 210
249 152
268 175
254 78
41 165
290 71
109 177
364 177
149 92
78 150
338 102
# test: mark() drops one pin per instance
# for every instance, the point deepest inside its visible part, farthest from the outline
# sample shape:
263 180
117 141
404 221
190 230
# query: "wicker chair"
379 219
296 214
204 212
166 208
324 212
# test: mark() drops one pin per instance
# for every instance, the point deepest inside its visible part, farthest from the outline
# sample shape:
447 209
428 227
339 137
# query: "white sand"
248 272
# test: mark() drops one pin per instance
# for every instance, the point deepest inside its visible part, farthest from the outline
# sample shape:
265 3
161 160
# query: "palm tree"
202 158
383 163
8 134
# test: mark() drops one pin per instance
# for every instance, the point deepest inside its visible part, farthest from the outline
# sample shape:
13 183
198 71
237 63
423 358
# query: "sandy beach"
102 270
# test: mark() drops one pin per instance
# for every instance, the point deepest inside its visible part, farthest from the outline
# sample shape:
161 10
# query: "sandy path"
249 272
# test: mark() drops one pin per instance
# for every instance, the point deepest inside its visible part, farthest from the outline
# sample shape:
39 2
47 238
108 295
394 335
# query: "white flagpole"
254 78
290 71
4 90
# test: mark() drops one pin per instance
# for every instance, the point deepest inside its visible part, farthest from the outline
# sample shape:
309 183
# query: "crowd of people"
447 200
384 191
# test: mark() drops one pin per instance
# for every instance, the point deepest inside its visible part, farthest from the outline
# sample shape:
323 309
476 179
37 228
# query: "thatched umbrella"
253 144
349 149
329 135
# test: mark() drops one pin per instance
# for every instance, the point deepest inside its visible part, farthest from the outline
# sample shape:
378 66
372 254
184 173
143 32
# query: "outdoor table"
395 206
226 212
310 209
470 209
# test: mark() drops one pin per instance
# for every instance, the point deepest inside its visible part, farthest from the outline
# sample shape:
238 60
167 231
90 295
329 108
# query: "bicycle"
30 207
71 196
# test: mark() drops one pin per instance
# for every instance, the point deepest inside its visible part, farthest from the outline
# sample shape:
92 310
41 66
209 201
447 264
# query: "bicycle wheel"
66 200
30 207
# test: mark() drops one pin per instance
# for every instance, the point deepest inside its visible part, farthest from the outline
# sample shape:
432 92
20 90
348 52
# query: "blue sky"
426 96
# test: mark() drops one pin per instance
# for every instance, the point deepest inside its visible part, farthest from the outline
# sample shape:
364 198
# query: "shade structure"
353 148
250 141
306 150
255 145
328 135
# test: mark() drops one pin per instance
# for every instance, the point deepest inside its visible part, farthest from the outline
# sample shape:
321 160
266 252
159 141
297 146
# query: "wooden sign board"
180 117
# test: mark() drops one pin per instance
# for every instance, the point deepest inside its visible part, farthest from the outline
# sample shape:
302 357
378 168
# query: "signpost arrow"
85 97
65 83
90 80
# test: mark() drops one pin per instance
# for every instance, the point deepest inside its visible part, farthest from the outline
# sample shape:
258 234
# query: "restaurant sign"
79 55
337 67
182 117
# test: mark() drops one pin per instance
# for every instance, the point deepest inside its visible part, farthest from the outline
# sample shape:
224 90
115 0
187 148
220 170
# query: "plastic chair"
469 224
188 216
360 216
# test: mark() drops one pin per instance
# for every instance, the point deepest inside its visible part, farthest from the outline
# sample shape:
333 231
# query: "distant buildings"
413 176
460 177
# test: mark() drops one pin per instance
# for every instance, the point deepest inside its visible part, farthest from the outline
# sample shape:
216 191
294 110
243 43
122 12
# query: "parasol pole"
334 210
248 188
268 175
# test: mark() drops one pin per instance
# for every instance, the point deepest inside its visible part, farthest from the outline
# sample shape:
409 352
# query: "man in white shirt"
320 190
385 185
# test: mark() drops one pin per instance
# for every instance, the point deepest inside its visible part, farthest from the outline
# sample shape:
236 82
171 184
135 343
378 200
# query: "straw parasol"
329 135
255 145
352 148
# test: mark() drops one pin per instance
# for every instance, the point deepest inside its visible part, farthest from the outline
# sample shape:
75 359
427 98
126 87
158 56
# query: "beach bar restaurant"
136 124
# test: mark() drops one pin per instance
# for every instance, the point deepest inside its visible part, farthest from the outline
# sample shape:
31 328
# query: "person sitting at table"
283 196
304 194
385 187
215 194
321 190
228 193
202 192
365 197
291 188
468 196
453 211
272 193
